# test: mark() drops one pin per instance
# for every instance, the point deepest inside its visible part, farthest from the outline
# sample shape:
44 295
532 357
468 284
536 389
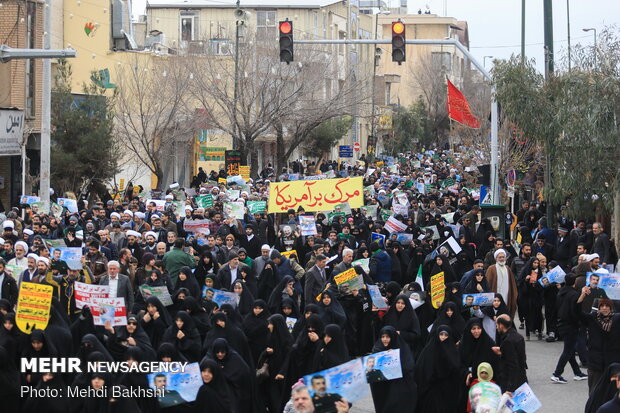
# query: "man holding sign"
120 285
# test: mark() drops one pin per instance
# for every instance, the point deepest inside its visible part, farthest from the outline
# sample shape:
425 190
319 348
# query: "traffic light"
485 171
398 42
286 41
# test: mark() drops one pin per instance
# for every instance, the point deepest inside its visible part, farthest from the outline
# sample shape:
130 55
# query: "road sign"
356 146
345 151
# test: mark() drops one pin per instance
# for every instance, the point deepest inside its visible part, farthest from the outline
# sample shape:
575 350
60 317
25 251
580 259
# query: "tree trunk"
280 161
159 174
616 222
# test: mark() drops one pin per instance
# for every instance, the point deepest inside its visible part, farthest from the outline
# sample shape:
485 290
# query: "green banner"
256 207
204 201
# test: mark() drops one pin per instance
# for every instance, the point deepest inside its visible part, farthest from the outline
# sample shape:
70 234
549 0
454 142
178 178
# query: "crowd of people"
250 359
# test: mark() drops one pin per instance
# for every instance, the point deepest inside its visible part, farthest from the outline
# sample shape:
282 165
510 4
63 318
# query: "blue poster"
556 275
377 298
383 366
179 387
220 297
346 381
380 238
72 256
484 299
608 282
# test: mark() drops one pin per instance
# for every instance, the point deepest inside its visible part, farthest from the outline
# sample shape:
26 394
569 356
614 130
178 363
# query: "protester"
254 297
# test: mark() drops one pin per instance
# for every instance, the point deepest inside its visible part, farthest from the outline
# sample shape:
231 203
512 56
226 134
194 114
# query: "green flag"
419 278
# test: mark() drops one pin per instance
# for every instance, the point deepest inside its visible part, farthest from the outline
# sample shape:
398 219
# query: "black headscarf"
267 280
300 325
90 344
246 299
233 335
213 396
437 371
288 302
399 395
137 380
190 282
118 345
332 313
493 312
455 322
9 382
170 351
240 377
405 321
281 341
199 315
392 289
604 390
189 345
472 286
255 329
279 294
46 403
334 352
446 268
477 350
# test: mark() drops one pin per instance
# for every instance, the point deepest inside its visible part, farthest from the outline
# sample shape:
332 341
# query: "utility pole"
46 107
550 139
522 31
236 85
568 30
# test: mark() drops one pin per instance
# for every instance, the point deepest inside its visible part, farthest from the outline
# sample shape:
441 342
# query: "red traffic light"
285 27
398 28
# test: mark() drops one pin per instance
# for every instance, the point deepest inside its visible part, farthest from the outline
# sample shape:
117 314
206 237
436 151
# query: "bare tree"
273 98
153 113
429 82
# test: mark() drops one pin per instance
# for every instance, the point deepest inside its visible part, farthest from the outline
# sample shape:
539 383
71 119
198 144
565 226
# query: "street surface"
541 360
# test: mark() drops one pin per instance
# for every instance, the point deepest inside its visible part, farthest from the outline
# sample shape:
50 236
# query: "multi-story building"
21 26
209 27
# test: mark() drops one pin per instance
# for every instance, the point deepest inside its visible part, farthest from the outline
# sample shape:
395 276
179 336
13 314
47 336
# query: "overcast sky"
495 25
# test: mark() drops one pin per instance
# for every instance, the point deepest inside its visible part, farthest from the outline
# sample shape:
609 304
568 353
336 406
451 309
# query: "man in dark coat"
601 243
563 248
8 285
250 241
315 280
569 317
513 361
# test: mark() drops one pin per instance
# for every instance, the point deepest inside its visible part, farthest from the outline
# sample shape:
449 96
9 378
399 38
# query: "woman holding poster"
399 395
531 293
403 318
438 373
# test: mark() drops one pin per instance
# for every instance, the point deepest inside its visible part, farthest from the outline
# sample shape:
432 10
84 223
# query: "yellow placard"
221 181
438 290
380 164
287 254
33 306
244 171
315 195
345 276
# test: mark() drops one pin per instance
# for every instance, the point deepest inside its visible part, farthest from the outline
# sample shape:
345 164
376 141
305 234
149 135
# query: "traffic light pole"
495 192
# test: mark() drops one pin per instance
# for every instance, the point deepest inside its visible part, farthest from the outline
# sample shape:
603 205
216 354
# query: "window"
315 25
442 61
188 26
266 24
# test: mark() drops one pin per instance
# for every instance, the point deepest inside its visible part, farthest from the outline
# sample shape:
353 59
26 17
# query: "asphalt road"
541 359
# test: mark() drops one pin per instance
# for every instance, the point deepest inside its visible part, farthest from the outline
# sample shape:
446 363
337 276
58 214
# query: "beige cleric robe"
491 277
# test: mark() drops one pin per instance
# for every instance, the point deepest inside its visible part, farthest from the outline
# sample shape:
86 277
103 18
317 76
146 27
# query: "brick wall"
13 32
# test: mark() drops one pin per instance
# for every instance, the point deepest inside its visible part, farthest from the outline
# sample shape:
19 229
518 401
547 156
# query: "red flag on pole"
458 108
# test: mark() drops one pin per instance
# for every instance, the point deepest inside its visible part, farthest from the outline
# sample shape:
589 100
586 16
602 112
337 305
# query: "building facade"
21 26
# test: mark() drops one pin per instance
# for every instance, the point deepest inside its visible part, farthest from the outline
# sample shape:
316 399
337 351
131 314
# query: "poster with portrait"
180 387
484 397
307 225
610 283
482 299
346 381
220 297
556 275
234 210
109 309
383 366
376 297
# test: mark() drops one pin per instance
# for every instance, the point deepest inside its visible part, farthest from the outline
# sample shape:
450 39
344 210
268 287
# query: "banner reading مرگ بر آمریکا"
315 195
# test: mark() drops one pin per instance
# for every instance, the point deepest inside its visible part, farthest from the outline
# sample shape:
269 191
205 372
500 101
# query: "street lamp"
378 52
592 29
484 60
